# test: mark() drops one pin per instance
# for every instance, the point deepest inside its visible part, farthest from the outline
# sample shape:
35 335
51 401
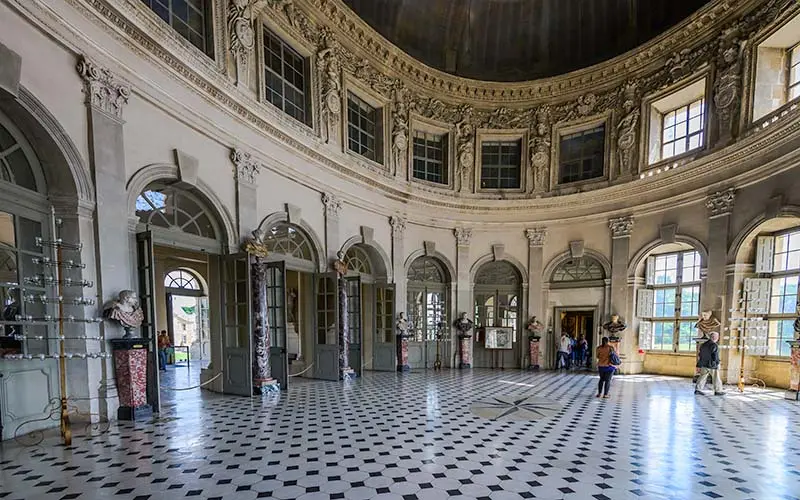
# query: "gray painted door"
326 352
384 356
146 270
353 287
276 315
237 325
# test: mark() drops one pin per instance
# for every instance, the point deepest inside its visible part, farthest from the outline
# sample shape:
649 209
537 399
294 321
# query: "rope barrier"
302 372
175 389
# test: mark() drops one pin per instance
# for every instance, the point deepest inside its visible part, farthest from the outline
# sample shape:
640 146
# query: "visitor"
580 351
606 366
708 362
163 345
563 352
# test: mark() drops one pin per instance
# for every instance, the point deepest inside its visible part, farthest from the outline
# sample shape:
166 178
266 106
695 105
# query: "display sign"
499 338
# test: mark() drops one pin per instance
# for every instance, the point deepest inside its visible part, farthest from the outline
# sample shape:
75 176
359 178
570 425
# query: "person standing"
708 362
580 351
163 345
563 352
605 367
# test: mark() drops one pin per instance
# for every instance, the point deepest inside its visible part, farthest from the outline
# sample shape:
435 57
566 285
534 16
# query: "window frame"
287 43
792 61
686 139
423 124
505 171
443 162
561 130
512 135
775 317
211 37
380 105
677 319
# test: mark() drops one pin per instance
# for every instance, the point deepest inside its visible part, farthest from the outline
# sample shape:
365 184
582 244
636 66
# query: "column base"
792 395
465 365
261 387
533 368
403 368
144 412
348 374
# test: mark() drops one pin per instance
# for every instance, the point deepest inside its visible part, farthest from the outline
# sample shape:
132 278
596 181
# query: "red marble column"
533 349
465 351
130 367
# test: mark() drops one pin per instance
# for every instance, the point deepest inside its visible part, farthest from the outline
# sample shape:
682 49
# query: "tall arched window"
497 294
291 243
175 209
16 160
427 298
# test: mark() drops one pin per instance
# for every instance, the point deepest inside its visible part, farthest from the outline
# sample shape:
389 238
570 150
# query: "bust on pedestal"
614 329
130 358
535 329
402 326
463 325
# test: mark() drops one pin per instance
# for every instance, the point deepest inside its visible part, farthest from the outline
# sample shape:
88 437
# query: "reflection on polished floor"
413 436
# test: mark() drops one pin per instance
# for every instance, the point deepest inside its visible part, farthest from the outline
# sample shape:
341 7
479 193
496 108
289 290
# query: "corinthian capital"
398 226
333 205
463 236
720 203
536 236
247 168
621 227
103 91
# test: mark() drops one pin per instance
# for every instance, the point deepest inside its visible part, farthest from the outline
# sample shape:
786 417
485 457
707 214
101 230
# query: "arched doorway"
497 296
181 252
370 308
427 308
579 289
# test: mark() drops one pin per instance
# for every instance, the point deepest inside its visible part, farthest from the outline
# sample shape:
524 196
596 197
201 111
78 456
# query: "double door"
427 312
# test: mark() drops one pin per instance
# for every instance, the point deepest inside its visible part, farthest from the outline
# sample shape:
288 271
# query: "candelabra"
748 330
49 293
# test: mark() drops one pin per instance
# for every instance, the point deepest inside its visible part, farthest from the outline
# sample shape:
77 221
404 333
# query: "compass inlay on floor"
412 436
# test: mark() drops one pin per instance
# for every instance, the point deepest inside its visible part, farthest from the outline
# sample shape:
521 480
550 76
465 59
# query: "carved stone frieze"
463 236
398 226
103 90
333 205
465 144
242 36
621 227
727 86
539 147
246 168
399 131
720 203
536 236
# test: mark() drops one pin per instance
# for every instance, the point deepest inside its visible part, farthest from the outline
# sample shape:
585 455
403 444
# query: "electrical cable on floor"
215 377
302 372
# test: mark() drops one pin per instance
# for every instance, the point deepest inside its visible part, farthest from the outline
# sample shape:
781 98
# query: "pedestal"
465 351
533 350
698 344
794 371
615 342
130 369
402 353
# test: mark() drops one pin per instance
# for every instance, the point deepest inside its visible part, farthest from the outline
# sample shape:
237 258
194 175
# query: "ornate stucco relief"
103 90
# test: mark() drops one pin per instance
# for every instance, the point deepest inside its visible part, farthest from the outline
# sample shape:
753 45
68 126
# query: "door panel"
384 356
146 270
326 352
204 326
353 289
276 315
237 325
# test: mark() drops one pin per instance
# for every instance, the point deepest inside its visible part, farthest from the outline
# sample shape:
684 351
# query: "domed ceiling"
513 40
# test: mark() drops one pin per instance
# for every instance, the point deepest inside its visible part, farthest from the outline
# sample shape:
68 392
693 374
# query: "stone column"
536 238
463 238
720 206
246 170
106 97
621 228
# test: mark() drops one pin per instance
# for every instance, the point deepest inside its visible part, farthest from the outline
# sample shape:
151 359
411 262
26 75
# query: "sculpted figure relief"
465 135
330 66
727 86
627 130
540 150
399 130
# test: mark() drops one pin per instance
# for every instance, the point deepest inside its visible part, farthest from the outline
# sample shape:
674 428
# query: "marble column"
463 292
536 239
262 371
105 98
713 296
398 225
621 228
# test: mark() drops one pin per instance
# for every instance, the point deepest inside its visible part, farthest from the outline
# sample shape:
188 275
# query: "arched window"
497 291
15 164
175 209
427 299
358 261
581 269
181 280
286 239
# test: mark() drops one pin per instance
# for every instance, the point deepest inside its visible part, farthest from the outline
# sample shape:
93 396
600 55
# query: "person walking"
163 345
563 352
580 347
607 361
708 362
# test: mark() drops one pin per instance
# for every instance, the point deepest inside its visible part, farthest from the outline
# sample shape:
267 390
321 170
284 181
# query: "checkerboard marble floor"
413 436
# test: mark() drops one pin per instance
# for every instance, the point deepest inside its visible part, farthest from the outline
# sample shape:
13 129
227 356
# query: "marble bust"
614 326
125 310
463 324
707 323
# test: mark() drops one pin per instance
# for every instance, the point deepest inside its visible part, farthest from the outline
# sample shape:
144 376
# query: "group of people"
572 352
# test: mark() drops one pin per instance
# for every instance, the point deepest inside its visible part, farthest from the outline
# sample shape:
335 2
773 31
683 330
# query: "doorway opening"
579 326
